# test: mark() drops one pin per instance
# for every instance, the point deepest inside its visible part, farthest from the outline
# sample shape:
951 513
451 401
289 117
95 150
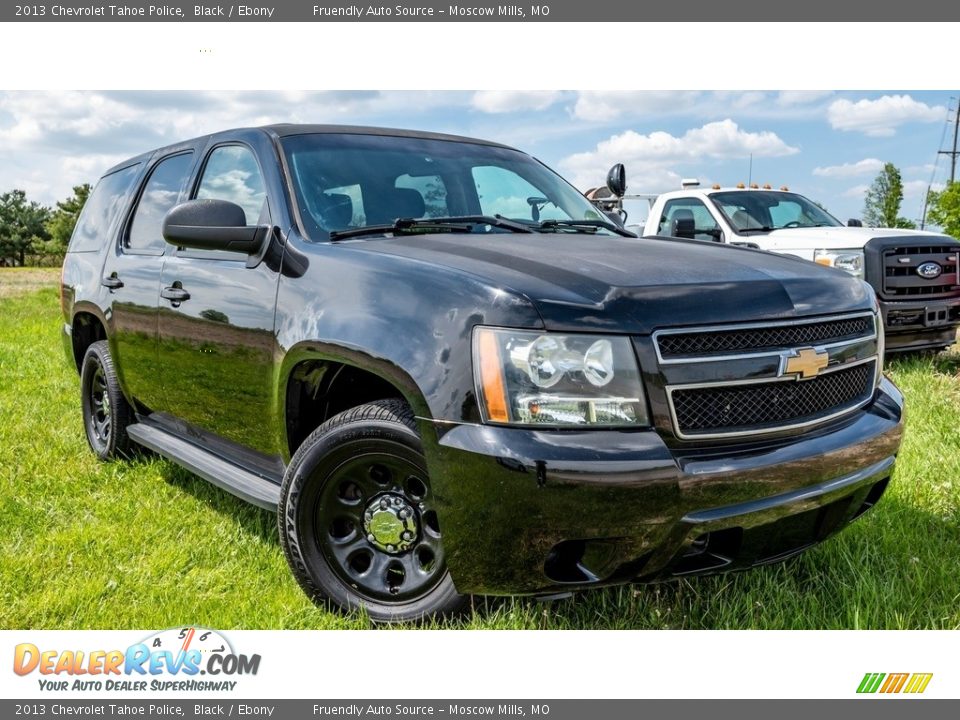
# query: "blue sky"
827 145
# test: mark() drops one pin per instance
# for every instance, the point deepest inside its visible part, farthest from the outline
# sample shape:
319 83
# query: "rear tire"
356 518
106 412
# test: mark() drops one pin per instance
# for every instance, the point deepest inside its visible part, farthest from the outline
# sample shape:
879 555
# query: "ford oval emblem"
929 270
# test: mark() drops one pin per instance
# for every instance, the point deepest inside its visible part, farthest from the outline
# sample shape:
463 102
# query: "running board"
222 473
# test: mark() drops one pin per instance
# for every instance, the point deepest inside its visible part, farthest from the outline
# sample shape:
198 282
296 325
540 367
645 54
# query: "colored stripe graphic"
894 683
918 682
870 682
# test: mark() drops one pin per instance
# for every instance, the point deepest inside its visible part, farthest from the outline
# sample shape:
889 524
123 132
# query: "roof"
710 190
288 129
291 129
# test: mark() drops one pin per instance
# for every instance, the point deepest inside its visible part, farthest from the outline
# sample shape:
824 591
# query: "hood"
831 238
636 285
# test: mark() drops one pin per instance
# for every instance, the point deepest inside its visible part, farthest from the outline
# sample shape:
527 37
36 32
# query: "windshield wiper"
585 224
765 228
452 223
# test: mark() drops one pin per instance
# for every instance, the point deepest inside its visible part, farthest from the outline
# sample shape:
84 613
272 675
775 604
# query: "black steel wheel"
106 413
357 518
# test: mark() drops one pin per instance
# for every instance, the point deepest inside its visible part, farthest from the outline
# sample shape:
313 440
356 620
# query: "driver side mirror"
853 222
212 225
617 180
684 228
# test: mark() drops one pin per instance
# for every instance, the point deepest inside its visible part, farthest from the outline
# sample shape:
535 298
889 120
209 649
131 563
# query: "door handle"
112 282
174 294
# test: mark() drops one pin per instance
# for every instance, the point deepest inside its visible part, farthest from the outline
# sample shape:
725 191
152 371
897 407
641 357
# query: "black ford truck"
449 374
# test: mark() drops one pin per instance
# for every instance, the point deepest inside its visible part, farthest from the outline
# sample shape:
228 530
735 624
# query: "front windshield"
761 211
345 181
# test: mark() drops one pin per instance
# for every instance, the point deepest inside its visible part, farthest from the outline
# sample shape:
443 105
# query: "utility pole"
953 153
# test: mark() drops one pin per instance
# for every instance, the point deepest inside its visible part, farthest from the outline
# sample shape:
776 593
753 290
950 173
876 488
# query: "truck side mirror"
684 228
617 180
853 222
212 225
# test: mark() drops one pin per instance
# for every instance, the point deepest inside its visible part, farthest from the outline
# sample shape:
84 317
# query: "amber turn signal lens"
491 376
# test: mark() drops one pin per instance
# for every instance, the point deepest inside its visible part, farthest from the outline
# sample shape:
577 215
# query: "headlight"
547 379
849 260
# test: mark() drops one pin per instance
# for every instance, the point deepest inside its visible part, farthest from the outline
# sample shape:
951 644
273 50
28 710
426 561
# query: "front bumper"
919 325
538 512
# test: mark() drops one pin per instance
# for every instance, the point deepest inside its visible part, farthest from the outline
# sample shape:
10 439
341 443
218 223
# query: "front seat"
743 220
397 203
335 210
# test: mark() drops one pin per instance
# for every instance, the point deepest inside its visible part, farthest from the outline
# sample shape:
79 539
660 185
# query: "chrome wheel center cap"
390 523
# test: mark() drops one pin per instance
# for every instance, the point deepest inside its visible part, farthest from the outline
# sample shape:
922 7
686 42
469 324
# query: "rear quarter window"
102 209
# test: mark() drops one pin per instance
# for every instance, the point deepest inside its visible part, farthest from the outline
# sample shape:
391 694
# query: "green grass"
144 544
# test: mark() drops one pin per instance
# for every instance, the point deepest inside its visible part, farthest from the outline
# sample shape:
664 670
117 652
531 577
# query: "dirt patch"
19 281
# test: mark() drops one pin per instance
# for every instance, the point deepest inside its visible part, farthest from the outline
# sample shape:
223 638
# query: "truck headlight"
849 260
535 378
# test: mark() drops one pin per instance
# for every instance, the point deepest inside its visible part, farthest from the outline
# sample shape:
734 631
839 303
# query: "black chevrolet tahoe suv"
449 374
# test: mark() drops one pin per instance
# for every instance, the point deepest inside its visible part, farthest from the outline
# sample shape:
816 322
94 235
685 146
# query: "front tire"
106 412
357 519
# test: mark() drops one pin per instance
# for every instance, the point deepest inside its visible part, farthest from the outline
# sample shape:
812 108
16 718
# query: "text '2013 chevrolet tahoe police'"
449 374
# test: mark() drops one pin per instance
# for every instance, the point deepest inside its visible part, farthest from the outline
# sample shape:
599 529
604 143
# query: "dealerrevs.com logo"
180 659
892 683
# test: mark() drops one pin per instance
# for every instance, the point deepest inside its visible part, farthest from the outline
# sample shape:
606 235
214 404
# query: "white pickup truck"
914 273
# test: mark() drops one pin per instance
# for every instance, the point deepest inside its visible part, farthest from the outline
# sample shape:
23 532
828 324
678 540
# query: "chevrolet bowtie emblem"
805 363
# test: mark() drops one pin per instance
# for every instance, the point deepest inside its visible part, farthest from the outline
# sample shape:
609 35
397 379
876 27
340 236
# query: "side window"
101 210
232 173
705 227
159 195
503 192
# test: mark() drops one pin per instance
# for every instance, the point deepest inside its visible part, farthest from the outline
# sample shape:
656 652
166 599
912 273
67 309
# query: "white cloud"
791 98
869 166
607 105
881 117
504 101
52 141
856 191
654 157
925 169
913 189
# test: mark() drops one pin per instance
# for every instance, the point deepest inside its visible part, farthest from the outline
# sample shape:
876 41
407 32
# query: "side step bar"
232 478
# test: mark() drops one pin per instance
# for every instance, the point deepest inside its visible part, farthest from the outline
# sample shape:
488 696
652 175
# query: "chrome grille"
756 339
771 405
729 381
900 278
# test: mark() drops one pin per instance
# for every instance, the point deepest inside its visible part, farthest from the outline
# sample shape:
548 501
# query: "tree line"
35 234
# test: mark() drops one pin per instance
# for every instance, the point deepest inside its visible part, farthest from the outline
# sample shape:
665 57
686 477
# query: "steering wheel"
792 223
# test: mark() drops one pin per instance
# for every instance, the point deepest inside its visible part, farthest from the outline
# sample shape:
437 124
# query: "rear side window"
161 193
101 210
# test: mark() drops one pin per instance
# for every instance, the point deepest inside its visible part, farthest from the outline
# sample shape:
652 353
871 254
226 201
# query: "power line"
953 153
936 160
